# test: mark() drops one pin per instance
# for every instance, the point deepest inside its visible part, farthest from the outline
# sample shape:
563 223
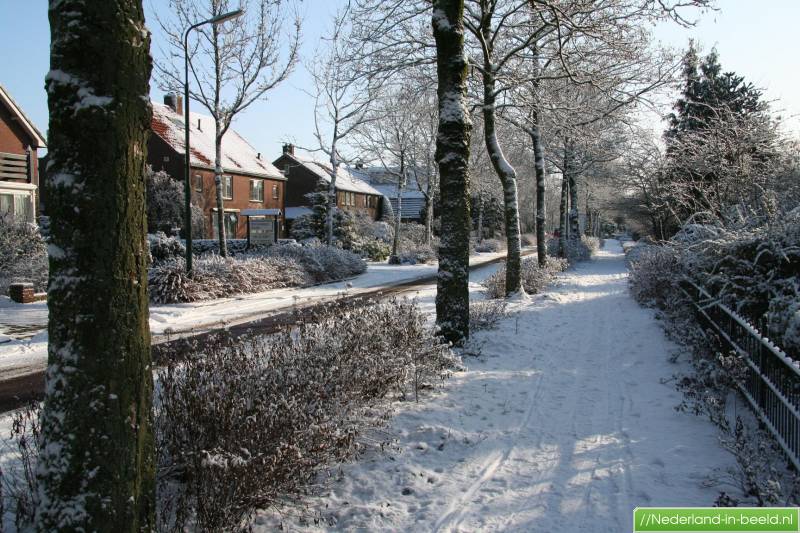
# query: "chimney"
288 149
174 101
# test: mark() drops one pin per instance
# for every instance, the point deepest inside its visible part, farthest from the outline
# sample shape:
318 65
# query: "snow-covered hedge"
243 424
322 263
753 270
413 254
534 278
218 277
655 272
23 254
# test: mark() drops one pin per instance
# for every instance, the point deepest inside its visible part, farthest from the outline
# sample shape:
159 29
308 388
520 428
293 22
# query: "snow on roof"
390 191
345 179
22 119
296 212
238 156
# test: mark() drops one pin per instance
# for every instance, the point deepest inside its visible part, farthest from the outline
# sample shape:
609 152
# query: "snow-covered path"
562 425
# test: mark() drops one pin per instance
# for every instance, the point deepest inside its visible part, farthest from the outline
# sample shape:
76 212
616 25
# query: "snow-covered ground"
562 424
23 355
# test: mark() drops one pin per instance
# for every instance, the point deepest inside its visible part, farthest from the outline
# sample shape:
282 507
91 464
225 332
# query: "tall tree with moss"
96 463
452 155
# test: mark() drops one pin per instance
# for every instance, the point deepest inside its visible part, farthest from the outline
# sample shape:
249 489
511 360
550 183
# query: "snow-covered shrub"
534 278
489 246
592 243
760 474
654 275
163 248
374 249
413 232
18 479
413 254
322 263
692 233
576 250
165 199
219 277
369 238
244 423
486 314
23 254
783 317
753 270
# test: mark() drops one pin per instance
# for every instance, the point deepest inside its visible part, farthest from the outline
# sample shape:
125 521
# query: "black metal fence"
772 380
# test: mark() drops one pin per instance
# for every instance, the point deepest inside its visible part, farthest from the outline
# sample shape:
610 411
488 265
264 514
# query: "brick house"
19 163
305 175
252 186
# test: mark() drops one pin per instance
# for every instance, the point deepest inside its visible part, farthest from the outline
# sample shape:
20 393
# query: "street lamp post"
187 171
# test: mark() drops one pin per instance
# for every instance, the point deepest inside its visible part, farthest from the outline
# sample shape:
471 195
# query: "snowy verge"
23 356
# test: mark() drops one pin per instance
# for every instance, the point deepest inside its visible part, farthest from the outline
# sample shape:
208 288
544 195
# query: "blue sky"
758 40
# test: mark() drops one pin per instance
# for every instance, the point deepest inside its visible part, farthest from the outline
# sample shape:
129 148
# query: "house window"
198 183
256 190
227 187
17 205
276 192
231 222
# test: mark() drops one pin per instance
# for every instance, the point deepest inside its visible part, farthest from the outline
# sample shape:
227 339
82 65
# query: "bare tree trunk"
562 215
334 159
508 178
96 469
480 219
223 245
574 217
541 177
218 131
395 260
452 155
429 216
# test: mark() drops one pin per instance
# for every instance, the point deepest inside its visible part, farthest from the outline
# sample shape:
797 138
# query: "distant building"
19 162
252 186
305 175
385 181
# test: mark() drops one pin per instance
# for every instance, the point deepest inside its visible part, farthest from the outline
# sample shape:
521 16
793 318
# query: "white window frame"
225 180
24 191
257 185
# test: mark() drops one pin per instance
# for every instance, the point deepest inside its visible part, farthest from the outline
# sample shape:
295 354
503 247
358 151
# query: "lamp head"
219 19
